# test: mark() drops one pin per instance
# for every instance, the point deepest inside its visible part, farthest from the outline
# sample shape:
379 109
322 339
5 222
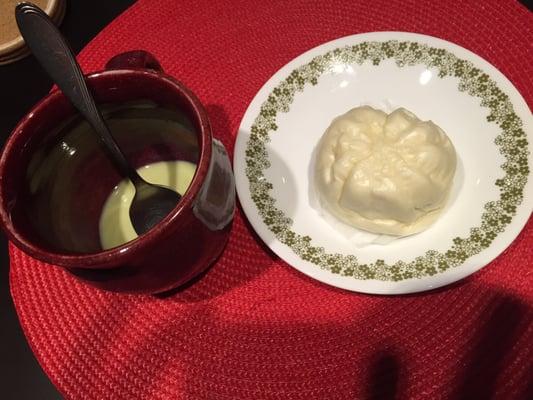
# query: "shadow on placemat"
500 325
383 375
482 366
495 337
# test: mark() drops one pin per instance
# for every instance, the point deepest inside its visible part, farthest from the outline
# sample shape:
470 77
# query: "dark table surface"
22 84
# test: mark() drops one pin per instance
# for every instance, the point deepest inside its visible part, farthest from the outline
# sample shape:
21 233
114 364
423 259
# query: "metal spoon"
151 203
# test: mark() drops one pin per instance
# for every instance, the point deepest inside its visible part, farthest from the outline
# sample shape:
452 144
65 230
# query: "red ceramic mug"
55 179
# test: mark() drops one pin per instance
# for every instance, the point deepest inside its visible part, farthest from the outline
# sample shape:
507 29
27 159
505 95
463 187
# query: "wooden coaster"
12 46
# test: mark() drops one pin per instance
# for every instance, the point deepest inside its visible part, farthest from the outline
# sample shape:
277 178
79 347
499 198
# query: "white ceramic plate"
479 108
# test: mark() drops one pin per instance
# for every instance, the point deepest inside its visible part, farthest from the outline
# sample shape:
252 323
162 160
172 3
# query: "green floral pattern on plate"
511 141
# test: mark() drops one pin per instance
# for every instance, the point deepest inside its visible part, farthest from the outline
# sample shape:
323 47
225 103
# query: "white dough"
384 173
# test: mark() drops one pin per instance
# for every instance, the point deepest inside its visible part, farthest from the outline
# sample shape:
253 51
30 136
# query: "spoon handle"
55 56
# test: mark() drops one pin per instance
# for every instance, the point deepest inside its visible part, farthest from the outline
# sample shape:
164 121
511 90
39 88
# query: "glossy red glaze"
135 59
182 245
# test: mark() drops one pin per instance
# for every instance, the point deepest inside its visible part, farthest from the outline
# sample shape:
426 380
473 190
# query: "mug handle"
135 59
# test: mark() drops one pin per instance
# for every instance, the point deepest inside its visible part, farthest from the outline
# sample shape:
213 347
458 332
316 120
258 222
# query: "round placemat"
252 327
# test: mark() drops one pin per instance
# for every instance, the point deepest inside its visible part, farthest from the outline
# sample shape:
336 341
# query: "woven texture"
253 327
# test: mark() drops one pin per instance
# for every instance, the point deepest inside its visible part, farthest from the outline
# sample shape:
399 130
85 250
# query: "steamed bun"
384 173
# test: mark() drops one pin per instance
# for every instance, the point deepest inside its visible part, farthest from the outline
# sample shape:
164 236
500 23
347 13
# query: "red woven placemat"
253 327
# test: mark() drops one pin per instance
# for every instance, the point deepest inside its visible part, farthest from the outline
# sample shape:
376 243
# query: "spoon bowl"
151 203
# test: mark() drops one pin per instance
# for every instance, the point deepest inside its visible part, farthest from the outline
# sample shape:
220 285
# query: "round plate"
478 107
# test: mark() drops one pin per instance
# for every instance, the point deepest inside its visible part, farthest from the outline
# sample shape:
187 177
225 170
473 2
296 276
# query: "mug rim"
115 256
